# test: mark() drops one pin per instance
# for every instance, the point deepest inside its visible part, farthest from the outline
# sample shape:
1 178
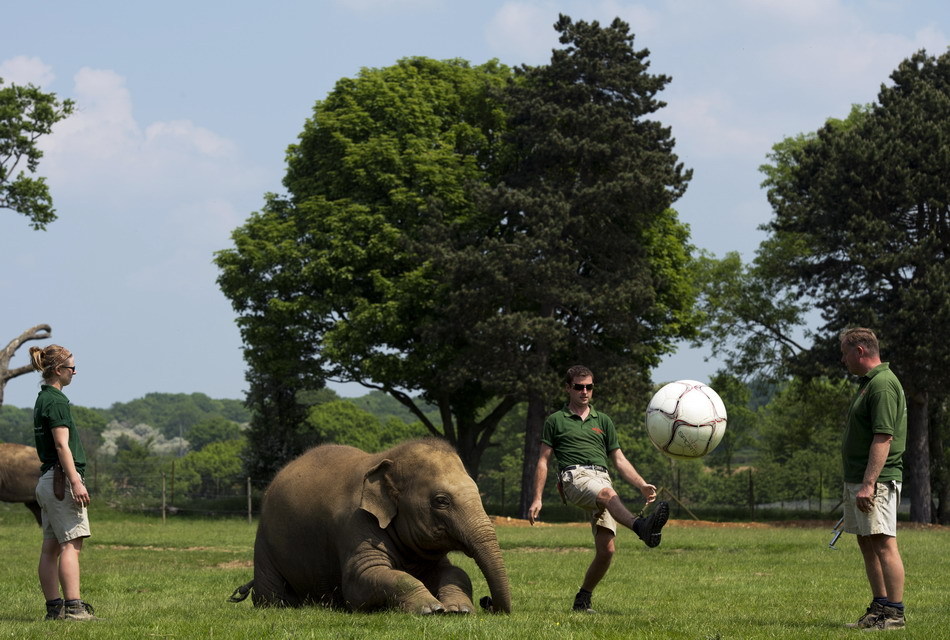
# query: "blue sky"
185 110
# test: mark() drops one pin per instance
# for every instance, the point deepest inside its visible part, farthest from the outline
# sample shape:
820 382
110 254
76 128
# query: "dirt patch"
123 547
687 524
236 564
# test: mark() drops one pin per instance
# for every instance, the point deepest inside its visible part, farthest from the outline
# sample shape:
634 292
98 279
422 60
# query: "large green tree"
592 261
861 234
348 278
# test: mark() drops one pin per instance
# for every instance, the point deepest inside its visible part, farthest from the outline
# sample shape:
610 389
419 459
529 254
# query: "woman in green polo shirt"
61 491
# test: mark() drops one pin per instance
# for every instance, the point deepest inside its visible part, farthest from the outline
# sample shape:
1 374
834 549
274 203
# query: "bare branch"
39 332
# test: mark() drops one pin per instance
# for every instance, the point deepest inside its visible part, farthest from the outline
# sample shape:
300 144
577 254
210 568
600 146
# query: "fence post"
163 498
502 496
249 520
751 494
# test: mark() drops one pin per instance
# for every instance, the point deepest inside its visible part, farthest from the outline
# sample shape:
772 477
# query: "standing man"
872 448
582 439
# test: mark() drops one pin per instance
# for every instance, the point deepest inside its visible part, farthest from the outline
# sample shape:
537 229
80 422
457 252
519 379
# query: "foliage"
384 406
27 114
16 425
211 430
175 414
214 469
119 436
342 422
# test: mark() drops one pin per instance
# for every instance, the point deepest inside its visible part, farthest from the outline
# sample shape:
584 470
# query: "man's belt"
595 467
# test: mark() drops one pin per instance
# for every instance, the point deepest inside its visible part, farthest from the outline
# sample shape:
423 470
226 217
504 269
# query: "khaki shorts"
63 520
883 517
581 487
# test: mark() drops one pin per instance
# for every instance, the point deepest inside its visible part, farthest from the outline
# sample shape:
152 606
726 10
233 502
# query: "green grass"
153 580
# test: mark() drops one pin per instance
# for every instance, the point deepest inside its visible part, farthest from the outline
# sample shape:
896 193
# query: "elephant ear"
379 494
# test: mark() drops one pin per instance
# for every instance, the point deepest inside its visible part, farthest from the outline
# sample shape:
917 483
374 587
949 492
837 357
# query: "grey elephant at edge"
343 528
19 472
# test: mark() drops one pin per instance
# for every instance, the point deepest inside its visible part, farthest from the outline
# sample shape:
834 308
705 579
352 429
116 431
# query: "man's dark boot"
649 529
582 602
54 609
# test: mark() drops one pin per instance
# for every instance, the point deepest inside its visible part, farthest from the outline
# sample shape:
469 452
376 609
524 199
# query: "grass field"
714 582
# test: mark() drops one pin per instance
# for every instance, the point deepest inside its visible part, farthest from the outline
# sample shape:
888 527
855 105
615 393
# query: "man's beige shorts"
581 487
63 520
883 517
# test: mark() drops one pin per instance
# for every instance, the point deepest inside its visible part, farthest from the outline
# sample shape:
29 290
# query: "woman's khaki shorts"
63 520
883 517
581 487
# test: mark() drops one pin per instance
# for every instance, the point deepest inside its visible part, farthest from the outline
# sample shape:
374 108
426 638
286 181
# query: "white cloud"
373 6
706 126
23 70
101 149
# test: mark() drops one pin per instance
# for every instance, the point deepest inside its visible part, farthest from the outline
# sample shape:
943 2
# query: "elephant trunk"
486 552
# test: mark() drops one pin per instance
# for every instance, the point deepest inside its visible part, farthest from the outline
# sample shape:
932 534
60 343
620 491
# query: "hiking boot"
54 609
648 529
78 610
582 602
889 618
868 618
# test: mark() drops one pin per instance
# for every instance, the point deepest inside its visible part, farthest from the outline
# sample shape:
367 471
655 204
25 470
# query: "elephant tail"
240 594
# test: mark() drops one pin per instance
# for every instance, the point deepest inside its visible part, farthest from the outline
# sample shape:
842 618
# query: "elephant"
19 472
343 528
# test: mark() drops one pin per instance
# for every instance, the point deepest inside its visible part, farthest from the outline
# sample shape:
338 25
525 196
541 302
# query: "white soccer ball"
686 419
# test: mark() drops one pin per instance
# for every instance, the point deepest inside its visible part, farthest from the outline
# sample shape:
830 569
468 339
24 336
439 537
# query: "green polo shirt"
878 406
577 441
52 410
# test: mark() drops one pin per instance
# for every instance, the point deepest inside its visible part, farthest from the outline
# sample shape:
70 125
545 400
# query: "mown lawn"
153 580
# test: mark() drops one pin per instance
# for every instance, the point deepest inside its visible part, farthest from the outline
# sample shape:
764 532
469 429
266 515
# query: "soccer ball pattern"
686 419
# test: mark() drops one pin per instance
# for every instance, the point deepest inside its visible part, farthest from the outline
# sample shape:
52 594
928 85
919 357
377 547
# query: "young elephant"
341 527
19 472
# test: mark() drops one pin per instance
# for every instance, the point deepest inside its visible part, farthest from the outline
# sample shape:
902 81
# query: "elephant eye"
441 501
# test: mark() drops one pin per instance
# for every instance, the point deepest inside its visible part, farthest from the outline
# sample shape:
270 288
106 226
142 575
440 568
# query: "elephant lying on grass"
343 528
19 472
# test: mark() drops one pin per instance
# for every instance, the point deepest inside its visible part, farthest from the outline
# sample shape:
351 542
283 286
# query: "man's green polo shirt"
878 406
577 441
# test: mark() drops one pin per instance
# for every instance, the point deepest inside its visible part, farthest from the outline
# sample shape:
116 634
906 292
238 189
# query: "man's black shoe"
649 529
582 602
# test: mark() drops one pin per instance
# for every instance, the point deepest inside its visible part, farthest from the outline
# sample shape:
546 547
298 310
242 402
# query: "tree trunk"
534 424
940 480
917 457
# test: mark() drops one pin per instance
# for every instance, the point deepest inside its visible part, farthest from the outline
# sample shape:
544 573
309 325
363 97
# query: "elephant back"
319 472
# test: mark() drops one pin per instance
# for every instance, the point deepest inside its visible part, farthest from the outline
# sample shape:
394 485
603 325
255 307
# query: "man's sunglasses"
581 387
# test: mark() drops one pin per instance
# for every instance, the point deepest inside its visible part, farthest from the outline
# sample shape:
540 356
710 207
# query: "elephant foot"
455 599
430 609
